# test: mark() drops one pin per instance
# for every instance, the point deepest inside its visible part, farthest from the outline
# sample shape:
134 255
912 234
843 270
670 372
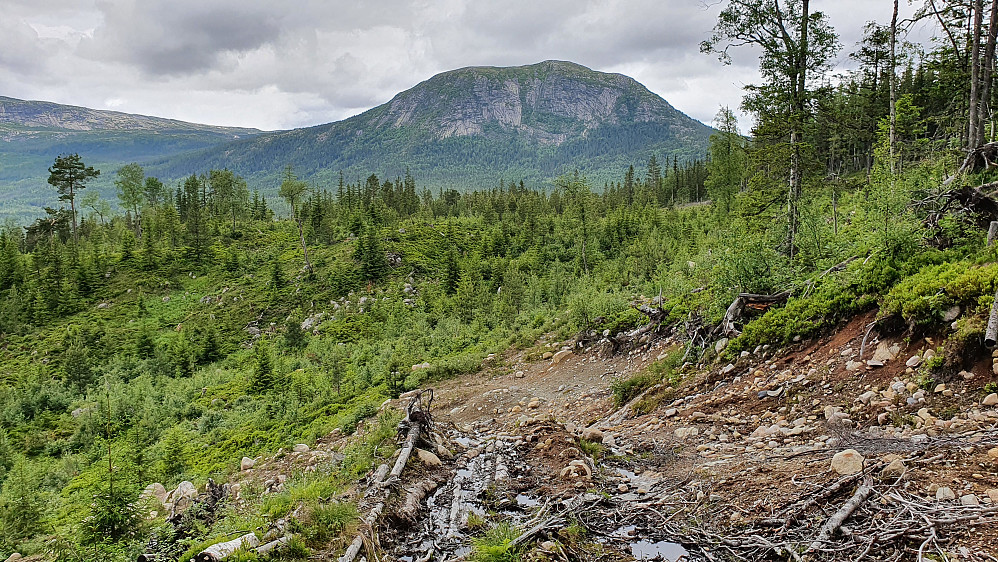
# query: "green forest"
196 326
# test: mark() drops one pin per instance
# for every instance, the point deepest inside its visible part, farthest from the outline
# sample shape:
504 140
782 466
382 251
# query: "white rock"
914 361
990 400
848 462
560 356
944 493
720 345
592 434
246 464
969 500
301 448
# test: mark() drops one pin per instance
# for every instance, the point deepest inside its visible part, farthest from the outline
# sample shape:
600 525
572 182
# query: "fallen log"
839 517
222 550
414 498
415 421
979 159
746 300
265 549
991 333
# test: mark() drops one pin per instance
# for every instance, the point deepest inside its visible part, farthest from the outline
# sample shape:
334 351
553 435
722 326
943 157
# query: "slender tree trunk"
987 74
975 77
301 237
796 124
72 209
894 93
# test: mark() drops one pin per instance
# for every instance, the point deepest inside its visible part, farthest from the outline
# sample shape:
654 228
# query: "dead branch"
839 517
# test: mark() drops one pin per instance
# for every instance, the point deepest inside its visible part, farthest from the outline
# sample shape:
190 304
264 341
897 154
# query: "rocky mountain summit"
478 124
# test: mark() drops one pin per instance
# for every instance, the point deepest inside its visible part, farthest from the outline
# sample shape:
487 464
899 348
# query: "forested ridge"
194 327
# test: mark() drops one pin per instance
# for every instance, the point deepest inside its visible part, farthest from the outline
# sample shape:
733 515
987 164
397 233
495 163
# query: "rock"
547 355
885 352
940 388
609 441
519 374
969 500
831 411
428 458
848 462
622 488
893 470
183 497
853 365
952 313
944 493
246 464
914 361
301 448
720 345
166 299
560 356
534 404
874 363
993 495
101 306
727 369
155 491
990 400
14 557
592 434
993 453
966 375
866 396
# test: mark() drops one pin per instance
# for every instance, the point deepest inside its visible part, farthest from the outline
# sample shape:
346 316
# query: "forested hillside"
166 343
32 133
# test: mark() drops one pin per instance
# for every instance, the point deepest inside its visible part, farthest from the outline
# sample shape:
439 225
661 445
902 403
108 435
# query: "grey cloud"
283 64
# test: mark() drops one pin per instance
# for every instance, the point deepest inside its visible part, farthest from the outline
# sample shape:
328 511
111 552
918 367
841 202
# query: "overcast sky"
282 64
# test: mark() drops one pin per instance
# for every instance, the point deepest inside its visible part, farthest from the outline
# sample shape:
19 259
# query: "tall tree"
793 41
727 161
130 183
68 174
293 190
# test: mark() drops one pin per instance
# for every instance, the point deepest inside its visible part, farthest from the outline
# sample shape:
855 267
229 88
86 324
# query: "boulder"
895 469
246 464
592 434
428 458
301 448
560 356
914 361
952 313
886 352
990 400
848 462
183 497
14 557
155 491
547 355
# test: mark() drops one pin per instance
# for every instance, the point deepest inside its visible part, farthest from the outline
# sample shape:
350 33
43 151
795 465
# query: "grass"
496 545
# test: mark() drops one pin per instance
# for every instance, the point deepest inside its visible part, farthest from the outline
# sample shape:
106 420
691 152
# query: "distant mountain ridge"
475 125
25 115
466 128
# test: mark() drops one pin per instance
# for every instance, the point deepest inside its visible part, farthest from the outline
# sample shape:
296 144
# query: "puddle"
663 550
625 532
523 500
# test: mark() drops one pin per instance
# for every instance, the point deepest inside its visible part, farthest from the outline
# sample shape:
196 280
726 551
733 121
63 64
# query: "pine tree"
263 378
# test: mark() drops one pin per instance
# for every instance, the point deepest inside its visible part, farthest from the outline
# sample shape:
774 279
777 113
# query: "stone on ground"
848 462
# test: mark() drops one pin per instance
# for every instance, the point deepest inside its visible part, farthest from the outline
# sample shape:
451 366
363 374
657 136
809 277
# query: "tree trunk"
987 74
894 94
975 77
796 123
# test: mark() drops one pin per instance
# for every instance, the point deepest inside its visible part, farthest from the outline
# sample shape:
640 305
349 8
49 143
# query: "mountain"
473 126
33 133
463 128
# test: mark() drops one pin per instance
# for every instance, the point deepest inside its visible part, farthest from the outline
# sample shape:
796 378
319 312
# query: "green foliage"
496 545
